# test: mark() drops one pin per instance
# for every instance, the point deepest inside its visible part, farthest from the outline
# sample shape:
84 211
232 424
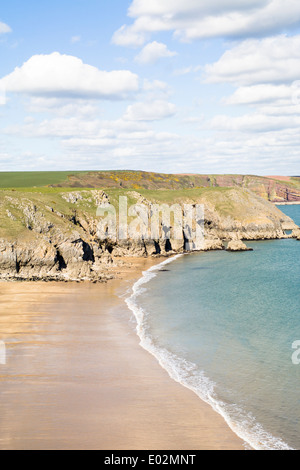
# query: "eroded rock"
237 245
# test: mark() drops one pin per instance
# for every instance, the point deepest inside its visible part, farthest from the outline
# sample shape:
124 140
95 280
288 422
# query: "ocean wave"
186 373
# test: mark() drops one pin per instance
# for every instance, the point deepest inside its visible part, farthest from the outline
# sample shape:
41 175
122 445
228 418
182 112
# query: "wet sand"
76 377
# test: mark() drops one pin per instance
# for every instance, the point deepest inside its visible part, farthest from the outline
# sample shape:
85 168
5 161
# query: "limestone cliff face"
242 215
53 235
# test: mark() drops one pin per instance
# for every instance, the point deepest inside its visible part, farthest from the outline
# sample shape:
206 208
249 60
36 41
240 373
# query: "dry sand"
76 377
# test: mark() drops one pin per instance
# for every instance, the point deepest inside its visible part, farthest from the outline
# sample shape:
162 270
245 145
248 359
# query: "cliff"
51 233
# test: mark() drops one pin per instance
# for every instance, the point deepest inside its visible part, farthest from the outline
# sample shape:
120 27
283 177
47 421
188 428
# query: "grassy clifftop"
274 189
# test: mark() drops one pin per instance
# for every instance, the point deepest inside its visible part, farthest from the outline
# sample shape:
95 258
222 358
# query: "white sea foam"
188 374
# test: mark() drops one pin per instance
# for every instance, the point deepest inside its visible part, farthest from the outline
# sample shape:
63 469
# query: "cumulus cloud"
120 141
153 52
261 94
271 60
269 100
189 8
62 107
77 127
65 76
194 19
127 37
265 73
150 111
58 127
257 123
4 28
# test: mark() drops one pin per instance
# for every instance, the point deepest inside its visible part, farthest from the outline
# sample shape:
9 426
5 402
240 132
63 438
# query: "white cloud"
194 19
128 38
155 91
153 52
189 8
256 122
271 60
155 85
184 71
275 110
62 107
265 72
261 94
75 39
65 76
121 144
4 28
150 111
59 127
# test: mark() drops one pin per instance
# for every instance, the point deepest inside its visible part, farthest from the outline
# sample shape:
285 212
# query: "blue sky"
179 86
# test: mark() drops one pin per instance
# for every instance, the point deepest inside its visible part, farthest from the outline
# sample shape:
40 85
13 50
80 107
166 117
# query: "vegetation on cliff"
50 233
274 189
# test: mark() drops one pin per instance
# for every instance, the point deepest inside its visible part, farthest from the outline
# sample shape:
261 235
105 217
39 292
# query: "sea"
227 326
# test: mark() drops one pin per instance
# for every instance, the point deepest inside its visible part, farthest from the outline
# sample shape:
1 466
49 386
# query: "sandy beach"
76 377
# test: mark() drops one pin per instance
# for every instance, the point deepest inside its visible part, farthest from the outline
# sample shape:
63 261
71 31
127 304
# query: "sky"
173 86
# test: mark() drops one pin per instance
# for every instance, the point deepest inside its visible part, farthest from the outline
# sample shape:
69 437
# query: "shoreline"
295 203
176 371
77 377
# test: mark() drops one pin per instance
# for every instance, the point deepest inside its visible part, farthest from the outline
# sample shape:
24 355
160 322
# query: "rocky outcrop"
237 245
53 244
40 260
296 233
54 236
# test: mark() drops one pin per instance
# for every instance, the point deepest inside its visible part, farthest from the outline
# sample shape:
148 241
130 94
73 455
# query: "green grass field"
156 185
32 179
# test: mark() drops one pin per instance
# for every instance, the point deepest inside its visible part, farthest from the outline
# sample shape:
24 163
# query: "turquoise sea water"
223 324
